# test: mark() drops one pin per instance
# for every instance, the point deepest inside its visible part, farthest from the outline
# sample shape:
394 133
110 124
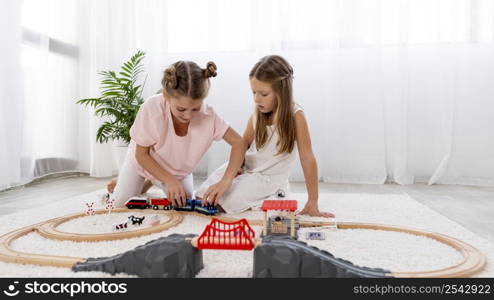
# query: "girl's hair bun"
170 77
210 70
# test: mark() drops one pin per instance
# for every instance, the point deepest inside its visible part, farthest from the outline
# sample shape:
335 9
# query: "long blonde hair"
275 70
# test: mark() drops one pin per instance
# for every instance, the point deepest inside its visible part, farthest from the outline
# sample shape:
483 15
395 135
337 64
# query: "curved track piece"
284 257
472 263
170 257
48 229
8 254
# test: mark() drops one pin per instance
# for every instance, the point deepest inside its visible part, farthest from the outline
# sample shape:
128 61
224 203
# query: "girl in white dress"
275 133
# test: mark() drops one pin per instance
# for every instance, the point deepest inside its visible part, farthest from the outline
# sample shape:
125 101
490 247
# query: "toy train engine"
209 209
189 205
196 205
137 202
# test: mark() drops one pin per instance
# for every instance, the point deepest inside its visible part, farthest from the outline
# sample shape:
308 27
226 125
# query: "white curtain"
394 90
15 163
110 32
49 59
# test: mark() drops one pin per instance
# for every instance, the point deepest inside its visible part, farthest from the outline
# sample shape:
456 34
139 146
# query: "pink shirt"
178 155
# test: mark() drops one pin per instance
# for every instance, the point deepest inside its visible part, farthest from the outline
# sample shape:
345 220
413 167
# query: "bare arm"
215 191
248 138
309 166
249 132
236 154
174 189
307 158
150 165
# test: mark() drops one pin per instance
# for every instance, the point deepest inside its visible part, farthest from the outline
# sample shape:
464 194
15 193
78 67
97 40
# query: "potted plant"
121 97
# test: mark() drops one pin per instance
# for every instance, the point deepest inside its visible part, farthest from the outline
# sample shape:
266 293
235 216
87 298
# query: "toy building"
280 225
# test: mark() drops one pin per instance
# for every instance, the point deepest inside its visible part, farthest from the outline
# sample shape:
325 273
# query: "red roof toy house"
279 225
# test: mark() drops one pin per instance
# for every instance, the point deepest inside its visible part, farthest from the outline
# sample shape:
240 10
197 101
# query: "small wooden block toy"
315 235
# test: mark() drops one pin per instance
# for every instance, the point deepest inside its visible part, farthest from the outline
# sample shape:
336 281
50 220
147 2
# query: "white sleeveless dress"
265 176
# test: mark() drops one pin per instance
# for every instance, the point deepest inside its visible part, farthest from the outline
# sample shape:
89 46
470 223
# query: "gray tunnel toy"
170 257
282 256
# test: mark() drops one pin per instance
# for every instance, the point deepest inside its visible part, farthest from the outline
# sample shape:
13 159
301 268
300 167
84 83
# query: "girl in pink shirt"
171 133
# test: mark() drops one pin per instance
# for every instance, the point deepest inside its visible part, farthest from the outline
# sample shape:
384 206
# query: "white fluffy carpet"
394 251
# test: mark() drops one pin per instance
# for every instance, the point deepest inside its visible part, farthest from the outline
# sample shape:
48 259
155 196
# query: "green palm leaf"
121 97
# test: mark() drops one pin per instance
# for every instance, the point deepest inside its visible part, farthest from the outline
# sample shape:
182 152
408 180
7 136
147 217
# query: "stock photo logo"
11 290
70 289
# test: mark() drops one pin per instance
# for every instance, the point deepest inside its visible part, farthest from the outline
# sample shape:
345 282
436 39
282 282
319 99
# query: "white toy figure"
89 208
155 220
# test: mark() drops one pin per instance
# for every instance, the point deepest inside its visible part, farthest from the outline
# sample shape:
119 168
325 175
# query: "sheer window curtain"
15 163
49 59
39 122
394 90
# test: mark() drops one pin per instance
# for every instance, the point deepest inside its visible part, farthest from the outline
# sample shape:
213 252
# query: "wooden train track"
7 254
472 263
49 229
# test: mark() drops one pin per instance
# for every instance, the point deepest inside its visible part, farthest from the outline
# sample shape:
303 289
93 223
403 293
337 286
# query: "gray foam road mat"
169 257
288 258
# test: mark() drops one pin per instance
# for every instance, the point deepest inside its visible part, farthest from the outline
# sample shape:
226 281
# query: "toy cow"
136 220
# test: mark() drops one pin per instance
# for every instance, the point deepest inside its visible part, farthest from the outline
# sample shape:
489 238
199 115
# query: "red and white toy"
110 204
89 208
121 226
103 198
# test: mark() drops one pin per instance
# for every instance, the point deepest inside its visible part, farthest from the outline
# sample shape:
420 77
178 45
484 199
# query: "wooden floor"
472 207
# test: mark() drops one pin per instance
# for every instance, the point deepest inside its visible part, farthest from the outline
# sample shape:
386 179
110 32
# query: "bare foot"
111 186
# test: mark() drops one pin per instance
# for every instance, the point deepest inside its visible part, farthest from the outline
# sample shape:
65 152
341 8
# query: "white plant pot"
119 153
